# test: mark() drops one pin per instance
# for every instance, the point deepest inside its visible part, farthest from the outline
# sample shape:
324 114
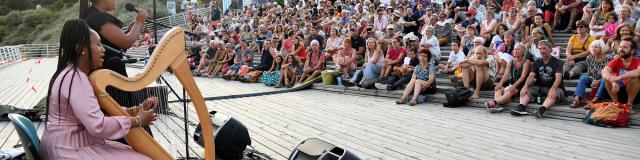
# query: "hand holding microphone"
142 13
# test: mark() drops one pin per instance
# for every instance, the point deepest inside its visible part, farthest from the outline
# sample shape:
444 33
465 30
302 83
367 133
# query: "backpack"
608 114
457 97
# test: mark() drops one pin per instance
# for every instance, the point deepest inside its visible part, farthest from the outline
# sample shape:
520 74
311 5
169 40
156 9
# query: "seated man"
314 64
479 71
621 74
394 58
545 80
400 75
208 57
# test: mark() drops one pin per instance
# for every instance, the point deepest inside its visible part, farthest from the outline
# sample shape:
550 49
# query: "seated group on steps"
508 48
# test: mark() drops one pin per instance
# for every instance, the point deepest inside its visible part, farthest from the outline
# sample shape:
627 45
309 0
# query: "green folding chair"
28 135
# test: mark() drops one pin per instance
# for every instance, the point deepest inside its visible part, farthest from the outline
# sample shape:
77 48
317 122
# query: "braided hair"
75 37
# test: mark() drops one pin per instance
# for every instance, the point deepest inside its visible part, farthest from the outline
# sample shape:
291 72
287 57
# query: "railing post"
170 23
2 54
18 54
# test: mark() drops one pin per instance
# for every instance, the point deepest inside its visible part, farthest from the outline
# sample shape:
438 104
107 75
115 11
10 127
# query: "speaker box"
316 149
231 136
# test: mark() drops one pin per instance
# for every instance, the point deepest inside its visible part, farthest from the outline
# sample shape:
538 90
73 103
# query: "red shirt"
618 68
395 53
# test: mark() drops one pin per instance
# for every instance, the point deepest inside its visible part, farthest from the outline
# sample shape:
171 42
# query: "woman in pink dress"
76 127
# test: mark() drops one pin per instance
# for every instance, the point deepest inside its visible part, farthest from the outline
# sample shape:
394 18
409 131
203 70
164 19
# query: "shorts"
486 86
544 91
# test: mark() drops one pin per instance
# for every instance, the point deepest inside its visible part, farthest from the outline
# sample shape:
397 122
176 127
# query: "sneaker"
520 111
381 86
498 109
538 113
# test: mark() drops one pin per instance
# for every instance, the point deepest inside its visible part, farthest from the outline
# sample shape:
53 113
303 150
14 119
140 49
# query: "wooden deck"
369 126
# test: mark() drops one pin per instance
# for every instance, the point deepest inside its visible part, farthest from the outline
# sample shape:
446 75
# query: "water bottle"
339 80
539 99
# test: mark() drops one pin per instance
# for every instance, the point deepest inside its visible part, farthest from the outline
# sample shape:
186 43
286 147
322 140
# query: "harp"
169 54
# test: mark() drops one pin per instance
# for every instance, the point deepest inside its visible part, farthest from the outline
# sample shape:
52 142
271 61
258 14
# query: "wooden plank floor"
371 127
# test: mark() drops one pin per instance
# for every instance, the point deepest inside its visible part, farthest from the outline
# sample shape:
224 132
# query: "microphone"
131 8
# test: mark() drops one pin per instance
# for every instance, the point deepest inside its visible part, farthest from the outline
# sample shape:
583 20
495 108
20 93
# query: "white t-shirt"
534 51
496 41
456 58
435 46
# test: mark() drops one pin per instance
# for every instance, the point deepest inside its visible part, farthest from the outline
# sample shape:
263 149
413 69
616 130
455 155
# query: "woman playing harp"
76 128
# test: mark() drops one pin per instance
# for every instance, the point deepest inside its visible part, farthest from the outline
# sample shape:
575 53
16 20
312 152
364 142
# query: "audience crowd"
502 46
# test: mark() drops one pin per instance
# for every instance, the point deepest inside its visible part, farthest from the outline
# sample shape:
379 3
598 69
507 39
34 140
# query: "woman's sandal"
401 101
576 103
588 106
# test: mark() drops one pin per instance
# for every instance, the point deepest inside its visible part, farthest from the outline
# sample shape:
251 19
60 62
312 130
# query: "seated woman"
488 26
513 22
315 62
429 41
345 57
444 31
227 62
598 19
76 128
623 30
517 71
272 76
537 35
498 39
215 64
334 43
290 71
577 51
503 53
373 56
539 23
598 59
422 81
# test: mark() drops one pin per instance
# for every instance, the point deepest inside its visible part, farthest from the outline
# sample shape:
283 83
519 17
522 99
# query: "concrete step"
560 111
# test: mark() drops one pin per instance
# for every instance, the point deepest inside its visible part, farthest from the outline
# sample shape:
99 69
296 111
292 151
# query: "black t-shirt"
546 73
358 42
413 29
317 37
96 19
528 22
266 60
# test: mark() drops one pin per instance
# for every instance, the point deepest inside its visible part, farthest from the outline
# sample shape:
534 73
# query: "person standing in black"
109 29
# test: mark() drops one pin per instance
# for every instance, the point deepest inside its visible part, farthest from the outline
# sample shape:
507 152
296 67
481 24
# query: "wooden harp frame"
169 54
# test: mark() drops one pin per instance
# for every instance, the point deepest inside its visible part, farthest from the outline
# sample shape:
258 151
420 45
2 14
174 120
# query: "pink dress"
77 128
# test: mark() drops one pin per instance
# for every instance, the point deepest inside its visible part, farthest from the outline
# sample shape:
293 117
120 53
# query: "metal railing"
179 19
